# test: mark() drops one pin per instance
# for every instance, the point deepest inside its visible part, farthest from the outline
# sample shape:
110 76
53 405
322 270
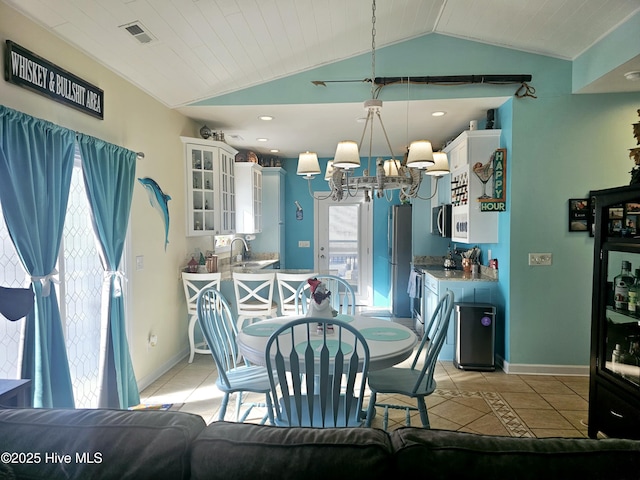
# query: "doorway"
343 242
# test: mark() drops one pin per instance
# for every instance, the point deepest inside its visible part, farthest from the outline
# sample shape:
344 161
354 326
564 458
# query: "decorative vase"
205 132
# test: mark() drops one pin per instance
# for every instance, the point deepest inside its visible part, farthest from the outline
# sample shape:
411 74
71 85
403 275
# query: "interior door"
343 242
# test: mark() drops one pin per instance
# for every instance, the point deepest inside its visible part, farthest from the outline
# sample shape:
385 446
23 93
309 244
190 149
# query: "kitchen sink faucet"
231 262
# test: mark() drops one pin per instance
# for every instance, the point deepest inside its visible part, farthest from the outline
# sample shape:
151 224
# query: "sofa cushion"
227 450
105 444
441 454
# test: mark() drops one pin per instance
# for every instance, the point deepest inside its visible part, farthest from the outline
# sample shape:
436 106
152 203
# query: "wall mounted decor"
579 214
634 154
159 200
28 70
496 168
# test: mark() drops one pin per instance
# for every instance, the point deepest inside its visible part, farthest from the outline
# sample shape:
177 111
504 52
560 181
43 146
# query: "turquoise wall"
559 145
297 189
620 46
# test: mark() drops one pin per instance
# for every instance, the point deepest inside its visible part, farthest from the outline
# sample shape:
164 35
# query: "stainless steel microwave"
441 220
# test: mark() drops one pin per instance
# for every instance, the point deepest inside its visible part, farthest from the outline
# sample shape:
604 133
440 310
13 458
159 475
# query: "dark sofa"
115 444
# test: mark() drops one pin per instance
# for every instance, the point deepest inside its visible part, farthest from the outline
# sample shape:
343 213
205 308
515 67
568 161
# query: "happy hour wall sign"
498 203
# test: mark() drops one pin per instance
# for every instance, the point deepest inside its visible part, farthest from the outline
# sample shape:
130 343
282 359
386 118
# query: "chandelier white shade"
379 177
420 154
308 165
441 165
329 172
347 155
391 168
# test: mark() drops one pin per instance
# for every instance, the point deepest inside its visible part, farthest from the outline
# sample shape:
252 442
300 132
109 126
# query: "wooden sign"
499 201
28 70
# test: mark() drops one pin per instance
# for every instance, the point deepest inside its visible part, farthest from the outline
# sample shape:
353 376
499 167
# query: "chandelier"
387 175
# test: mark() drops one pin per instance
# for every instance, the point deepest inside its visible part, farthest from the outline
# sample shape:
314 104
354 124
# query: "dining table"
389 343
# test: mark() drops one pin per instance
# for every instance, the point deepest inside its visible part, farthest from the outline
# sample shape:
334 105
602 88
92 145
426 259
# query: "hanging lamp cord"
373 48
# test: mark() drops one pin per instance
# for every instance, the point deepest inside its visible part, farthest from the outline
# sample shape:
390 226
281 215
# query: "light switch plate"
540 259
140 262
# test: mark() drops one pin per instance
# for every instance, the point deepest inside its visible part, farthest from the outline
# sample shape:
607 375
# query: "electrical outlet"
304 244
140 262
540 259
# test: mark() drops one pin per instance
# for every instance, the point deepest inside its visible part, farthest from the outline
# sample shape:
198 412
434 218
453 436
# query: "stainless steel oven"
418 299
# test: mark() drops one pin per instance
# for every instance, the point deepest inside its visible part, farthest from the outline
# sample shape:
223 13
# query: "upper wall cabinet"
467 154
210 186
249 197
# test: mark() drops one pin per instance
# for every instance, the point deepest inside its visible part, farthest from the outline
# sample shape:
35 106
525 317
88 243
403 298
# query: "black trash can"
474 336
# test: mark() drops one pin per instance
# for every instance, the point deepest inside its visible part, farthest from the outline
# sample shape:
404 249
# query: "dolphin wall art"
158 201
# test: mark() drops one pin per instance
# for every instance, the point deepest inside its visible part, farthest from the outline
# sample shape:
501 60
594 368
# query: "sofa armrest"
105 444
441 454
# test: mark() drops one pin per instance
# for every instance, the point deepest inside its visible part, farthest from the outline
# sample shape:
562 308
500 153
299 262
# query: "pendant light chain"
373 47
379 177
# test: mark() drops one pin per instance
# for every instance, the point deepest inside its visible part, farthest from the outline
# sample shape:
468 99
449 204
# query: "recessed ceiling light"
274 150
438 114
262 139
266 118
633 76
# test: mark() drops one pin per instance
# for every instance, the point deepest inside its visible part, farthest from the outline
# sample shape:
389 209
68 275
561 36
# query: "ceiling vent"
139 32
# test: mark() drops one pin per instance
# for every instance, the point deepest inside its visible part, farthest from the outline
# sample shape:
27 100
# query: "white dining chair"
193 284
254 296
288 284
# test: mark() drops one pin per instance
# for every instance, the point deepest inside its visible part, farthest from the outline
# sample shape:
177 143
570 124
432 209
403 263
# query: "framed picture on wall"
578 214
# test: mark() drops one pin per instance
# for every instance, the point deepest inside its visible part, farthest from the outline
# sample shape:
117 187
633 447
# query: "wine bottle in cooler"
634 292
621 284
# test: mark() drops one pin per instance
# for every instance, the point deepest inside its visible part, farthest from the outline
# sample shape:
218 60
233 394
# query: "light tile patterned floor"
490 403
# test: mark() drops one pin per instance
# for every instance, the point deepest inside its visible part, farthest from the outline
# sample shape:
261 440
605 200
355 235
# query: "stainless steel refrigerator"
400 258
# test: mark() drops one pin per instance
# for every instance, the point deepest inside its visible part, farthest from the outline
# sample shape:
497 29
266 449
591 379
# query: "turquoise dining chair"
220 331
321 373
415 382
343 297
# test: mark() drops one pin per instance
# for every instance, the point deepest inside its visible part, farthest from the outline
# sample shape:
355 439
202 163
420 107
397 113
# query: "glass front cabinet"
210 185
614 387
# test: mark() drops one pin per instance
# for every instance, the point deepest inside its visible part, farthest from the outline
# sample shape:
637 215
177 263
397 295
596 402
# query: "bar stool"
254 296
287 286
193 284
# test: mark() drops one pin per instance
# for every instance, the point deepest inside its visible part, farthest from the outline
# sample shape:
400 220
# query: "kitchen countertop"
257 266
439 273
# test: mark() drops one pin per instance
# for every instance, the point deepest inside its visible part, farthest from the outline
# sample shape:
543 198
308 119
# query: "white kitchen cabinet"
210 187
271 240
469 224
248 197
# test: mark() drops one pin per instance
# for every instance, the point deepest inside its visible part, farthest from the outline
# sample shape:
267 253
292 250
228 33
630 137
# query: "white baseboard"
144 382
535 369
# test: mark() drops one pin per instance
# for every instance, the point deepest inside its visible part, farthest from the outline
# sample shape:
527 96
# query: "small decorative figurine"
320 303
192 266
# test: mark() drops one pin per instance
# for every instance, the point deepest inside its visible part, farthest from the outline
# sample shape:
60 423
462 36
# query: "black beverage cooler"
474 336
